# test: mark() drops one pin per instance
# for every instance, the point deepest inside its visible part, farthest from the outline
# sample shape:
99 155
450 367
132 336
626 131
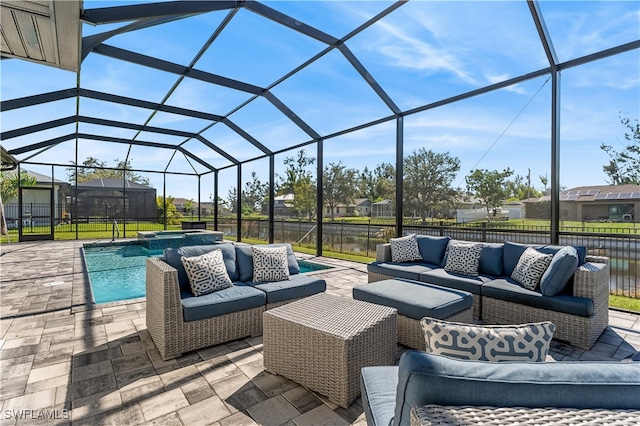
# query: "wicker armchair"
173 335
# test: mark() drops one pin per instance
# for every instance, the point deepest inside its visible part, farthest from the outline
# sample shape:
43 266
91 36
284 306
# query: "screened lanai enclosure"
330 125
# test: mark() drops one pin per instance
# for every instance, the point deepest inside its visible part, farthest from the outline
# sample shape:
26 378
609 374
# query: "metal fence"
622 247
99 219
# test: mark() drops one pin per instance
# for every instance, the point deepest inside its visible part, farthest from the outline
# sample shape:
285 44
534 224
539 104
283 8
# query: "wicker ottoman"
323 341
415 300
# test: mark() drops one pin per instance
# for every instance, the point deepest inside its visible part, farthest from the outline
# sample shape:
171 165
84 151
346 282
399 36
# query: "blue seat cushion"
507 289
433 379
491 259
414 299
432 249
245 260
378 387
300 285
172 257
233 299
408 270
457 281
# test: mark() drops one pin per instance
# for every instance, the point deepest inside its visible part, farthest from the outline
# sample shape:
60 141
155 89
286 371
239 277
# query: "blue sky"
421 53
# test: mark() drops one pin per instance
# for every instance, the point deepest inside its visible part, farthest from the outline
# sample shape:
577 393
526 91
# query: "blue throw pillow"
552 250
432 249
511 255
491 259
562 267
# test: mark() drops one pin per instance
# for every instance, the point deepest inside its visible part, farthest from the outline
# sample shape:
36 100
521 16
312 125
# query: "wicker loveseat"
428 389
180 322
580 311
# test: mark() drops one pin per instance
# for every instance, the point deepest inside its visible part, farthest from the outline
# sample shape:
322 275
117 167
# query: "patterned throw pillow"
463 258
531 267
207 273
405 249
496 343
270 264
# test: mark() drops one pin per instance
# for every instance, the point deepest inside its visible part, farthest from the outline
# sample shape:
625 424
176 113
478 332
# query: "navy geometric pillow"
270 264
496 343
531 267
405 249
463 258
207 273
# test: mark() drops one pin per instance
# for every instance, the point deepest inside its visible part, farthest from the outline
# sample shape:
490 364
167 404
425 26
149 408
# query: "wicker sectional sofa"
579 311
428 389
180 322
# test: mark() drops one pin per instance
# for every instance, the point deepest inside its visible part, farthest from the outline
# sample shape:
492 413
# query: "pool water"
118 272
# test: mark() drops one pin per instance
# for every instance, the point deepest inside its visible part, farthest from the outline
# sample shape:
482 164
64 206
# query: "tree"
188 206
305 200
9 184
232 199
519 190
489 186
92 169
366 184
427 180
338 187
296 169
298 180
385 182
255 195
544 180
173 216
624 165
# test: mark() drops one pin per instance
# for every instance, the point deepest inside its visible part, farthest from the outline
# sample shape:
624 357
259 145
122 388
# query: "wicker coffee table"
323 341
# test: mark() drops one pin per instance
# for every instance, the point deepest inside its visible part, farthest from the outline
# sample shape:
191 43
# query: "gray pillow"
562 267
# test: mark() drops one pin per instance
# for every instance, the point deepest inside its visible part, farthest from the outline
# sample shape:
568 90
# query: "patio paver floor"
62 357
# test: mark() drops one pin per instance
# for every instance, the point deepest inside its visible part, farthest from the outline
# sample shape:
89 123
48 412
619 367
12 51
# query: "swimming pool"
118 272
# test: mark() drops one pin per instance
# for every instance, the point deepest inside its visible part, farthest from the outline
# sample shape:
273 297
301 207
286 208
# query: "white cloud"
516 88
406 51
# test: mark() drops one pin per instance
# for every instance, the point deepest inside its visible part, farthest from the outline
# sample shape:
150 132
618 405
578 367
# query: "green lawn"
623 302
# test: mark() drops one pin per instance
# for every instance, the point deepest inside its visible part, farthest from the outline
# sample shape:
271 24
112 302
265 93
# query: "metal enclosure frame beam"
547 44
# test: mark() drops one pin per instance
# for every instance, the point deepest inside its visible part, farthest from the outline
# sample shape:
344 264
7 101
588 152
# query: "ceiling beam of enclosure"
76 135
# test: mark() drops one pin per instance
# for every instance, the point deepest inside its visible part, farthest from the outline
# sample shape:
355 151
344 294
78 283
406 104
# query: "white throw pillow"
405 249
270 264
523 342
463 258
531 267
207 273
